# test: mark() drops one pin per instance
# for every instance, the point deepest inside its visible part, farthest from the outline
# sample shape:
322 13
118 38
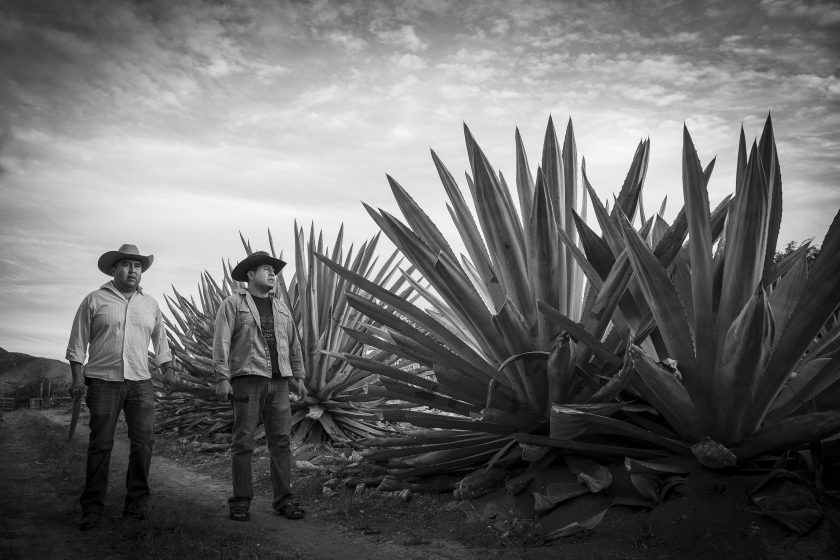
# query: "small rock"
405 495
328 492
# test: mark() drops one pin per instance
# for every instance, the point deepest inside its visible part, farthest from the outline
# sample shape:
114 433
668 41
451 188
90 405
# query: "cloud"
405 37
346 40
823 13
408 61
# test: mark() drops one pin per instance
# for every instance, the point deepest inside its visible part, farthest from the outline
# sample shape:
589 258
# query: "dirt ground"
41 477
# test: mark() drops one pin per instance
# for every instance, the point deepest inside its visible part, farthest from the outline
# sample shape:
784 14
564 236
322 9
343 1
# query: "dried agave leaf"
577 526
594 475
668 465
783 496
713 455
558 493
647 485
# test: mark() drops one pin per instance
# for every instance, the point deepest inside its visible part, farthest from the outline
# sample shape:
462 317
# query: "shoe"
90 520
239 511
290 510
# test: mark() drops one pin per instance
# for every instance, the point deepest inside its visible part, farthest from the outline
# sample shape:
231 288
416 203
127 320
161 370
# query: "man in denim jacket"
256 354
112 329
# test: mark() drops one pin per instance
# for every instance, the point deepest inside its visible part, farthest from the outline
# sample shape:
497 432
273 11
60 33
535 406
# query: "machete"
77 408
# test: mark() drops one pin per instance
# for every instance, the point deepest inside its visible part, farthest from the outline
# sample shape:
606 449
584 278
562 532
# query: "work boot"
90 520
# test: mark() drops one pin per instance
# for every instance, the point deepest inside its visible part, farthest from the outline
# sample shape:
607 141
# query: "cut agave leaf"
713 455
556 494
591 473
577 526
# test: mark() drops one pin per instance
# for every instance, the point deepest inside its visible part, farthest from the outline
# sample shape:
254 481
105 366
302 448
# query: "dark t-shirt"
267 327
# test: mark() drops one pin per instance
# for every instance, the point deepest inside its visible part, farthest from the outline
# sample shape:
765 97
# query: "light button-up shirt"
114 334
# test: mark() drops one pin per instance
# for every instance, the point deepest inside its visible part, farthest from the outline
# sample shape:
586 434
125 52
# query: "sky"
177 126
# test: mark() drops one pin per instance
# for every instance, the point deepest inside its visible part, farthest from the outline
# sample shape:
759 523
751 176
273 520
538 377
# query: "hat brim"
240 271
107 260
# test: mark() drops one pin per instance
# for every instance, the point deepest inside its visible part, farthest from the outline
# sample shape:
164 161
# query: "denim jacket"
239 347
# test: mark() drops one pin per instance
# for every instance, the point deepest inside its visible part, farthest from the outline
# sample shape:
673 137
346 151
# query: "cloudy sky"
177 125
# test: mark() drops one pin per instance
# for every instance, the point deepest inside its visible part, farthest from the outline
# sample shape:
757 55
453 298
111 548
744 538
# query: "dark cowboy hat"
127 251
240 271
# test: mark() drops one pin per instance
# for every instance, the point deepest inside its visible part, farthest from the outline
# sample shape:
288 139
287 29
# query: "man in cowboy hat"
256 350
112 328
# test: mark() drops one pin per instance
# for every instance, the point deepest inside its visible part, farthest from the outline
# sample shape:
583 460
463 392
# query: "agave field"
547 332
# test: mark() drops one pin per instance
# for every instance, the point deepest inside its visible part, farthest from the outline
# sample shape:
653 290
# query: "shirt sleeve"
295 354
159 341
225 319
79 333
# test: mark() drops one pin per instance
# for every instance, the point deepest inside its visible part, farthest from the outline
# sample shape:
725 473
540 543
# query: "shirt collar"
110 286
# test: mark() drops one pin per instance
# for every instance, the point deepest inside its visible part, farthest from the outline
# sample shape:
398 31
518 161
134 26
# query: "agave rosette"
523 282
746 333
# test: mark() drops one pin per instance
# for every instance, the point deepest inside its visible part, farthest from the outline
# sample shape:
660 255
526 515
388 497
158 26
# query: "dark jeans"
105 399
268 400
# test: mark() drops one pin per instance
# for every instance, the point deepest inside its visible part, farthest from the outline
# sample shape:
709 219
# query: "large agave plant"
746 333
337 408
524 282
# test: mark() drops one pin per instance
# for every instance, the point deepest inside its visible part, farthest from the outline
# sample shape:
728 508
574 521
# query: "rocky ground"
710 516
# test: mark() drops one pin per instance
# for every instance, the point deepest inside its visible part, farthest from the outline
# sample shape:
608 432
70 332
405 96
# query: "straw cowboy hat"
127 251
240 271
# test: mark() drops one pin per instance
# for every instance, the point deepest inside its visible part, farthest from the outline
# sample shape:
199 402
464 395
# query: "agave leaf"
597 251
524 182
595 476
790 432
631 190
502 232
557 493
811 313
574 275
783 496
747 347
786 295
667 309
420 223
577 526
410 311
816 376
700 252
713 454
611 233
592 449
663 390
579 333
746 243
770 162
543 263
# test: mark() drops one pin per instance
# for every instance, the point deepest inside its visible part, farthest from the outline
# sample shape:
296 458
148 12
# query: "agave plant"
744 331
337 407
524 282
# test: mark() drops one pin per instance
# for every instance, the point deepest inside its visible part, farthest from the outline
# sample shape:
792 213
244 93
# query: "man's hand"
299 388
223 389
77 387
170 380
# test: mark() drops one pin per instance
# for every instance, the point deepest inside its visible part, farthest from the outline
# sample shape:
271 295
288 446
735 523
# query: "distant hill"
18 370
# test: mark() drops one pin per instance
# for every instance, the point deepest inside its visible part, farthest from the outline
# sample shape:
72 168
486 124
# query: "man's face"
127 274
262 277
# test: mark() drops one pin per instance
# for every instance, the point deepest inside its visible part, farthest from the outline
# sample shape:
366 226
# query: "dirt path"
40 483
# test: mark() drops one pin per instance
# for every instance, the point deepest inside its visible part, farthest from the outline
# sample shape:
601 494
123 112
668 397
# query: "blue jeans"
268 400
104 400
